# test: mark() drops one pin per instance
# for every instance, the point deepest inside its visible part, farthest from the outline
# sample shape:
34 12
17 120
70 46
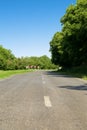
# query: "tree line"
69 46
8 61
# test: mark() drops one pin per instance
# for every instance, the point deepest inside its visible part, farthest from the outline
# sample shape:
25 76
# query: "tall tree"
74 37
6 59
56 47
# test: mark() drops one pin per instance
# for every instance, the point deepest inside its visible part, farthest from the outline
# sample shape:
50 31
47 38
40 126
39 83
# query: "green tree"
56 48
74 37
75 32
6 59
45 62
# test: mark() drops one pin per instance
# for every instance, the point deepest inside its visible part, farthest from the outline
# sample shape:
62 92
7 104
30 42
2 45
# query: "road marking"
44 82
47 101
42 78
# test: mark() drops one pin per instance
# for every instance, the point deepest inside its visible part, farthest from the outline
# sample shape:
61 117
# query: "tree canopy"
6 59
9 62
69 47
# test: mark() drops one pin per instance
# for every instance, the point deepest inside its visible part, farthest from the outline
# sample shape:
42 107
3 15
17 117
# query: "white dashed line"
42 78
44 82
47 101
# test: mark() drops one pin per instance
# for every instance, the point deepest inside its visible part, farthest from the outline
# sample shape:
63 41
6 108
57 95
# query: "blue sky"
27 26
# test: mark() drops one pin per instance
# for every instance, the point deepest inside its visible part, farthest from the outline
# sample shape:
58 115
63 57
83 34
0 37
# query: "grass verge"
80 72
5 74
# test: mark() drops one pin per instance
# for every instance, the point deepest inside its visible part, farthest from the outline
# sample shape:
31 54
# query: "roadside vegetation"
10 65
9 62
69 46
80 72
5 74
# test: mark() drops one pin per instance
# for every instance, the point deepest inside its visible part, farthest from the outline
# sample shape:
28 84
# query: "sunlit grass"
4 74
84 77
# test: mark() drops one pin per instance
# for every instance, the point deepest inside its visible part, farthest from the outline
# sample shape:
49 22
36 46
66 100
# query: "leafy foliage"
9 62
6 59
69 47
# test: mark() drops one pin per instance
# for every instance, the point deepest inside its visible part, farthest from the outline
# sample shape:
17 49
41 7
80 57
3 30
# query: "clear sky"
27 26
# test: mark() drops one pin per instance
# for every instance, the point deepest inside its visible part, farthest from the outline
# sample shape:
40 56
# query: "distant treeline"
69 47
8 61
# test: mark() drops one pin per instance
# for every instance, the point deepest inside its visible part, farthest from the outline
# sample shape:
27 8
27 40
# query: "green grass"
5 74
80 72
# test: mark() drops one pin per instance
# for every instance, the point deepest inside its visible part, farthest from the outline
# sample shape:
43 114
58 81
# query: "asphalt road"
43 100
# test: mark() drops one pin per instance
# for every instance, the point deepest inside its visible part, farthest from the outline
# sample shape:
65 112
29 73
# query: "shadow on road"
57 74
80 87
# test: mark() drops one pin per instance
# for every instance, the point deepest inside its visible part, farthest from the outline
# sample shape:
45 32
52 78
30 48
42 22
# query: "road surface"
43 100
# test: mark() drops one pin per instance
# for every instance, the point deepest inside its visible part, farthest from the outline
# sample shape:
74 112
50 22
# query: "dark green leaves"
69 47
